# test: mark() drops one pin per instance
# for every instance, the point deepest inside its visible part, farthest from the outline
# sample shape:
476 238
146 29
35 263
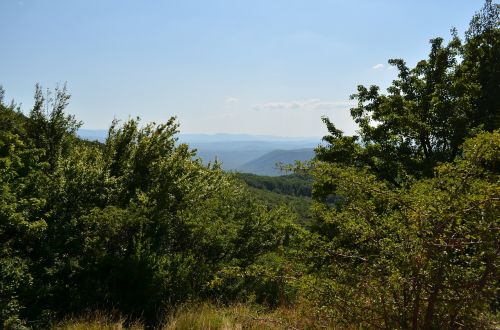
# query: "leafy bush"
135 224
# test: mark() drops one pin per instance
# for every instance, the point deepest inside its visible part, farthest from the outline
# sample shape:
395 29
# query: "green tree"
21 203
406 213
428 110
481 65
423 256
49 127
137 224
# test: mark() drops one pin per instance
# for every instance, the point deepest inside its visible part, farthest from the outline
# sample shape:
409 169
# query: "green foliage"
49 128
406 214
293 190
428 110
423 256
299 205
292 184
135 224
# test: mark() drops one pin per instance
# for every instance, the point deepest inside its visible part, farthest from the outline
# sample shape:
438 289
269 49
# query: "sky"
271 67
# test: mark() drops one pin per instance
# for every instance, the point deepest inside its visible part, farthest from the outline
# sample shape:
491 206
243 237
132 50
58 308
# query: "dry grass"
202 316
97 321
207 316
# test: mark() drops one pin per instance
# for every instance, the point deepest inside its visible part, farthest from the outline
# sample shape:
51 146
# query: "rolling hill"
267 163
256 154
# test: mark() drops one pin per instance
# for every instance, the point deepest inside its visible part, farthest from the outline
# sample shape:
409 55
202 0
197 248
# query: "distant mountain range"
268 163
256 154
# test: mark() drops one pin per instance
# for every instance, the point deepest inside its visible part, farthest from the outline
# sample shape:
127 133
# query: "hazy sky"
259 67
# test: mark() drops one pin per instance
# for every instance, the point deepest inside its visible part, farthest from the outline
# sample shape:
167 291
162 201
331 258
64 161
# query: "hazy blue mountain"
266 164
236 150
233 150
235 154
231 160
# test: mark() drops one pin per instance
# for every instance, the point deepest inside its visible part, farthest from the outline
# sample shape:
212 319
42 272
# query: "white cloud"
377 66
232 100
312 104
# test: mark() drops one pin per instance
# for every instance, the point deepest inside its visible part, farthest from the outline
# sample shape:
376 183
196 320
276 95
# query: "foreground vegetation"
403 228
209 316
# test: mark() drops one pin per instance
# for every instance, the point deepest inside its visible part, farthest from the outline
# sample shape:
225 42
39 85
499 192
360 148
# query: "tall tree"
428 110
406 212
50 128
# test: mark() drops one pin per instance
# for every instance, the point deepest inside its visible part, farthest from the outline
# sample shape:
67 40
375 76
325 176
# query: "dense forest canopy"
403 229
292 184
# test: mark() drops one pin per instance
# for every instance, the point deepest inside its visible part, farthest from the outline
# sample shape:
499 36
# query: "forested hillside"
269 163
293 190
292 184
402 230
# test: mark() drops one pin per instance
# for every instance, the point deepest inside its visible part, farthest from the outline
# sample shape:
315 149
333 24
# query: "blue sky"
258 67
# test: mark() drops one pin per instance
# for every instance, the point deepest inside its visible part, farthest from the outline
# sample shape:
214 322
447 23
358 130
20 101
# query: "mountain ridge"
256 154
267 163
